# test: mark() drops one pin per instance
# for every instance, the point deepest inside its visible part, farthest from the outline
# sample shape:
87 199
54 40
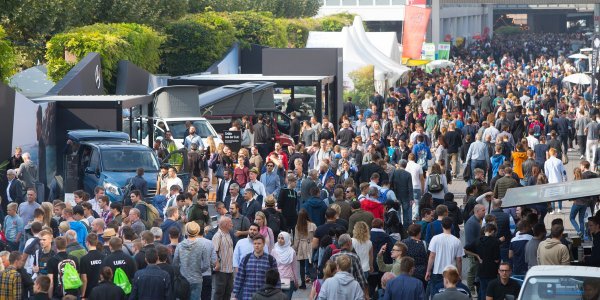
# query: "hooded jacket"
497 160
76 250
341 286
373 206
552 252
193 258
316 210
269 292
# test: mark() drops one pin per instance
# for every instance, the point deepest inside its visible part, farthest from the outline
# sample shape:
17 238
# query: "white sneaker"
581 157
558 211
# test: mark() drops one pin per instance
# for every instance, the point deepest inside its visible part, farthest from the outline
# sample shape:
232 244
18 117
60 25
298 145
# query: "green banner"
444 51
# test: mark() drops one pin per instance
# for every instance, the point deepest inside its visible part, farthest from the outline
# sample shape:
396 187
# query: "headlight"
111 188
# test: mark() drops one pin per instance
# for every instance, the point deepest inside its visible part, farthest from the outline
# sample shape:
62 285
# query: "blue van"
108 159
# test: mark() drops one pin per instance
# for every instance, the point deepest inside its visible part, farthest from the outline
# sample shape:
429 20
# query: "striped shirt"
223 245
251 277
356 269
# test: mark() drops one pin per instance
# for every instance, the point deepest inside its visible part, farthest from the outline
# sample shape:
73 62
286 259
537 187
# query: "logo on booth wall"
97 77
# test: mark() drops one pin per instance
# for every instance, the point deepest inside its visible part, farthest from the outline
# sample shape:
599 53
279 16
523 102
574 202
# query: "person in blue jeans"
578 209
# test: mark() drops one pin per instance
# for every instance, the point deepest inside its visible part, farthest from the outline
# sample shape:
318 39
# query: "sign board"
233 139
444 51
428 51
416 2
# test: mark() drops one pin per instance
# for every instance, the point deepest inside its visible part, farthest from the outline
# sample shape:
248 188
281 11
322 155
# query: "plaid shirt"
356 269
10 284
251 278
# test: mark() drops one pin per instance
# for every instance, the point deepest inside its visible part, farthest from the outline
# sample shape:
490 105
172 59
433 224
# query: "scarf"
285 252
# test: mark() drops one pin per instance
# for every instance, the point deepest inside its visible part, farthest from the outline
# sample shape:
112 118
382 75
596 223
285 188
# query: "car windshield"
561 287
178 128
120 160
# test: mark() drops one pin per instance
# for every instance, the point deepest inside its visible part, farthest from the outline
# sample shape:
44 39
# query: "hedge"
258 28
117 41
7 57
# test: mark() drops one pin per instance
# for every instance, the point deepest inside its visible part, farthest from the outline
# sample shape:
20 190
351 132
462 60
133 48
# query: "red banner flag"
416 2
415 24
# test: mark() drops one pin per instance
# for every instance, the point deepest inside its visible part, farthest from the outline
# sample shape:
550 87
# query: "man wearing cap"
106 236
256 185
250 206
14 190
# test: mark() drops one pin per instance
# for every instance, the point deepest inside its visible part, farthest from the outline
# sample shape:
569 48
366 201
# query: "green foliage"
297 31
258 28
279 8
136 43
508 30
153 13
363 86
196 42
335 22
7 57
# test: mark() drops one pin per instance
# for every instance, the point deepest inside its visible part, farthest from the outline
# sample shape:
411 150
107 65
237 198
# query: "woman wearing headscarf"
287 264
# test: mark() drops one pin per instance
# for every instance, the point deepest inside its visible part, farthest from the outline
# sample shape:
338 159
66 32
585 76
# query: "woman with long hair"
578 208
261 219
328 271
361 243
106 289
287 265
303 235
518 157
48 219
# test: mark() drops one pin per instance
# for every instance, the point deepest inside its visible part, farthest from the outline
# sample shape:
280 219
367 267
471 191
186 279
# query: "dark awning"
262 93
227 100
551 192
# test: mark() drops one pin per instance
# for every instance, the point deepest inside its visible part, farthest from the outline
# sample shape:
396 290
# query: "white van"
561 282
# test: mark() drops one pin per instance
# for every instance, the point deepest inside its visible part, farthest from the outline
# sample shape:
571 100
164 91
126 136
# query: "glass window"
382 2
304 103
365 2
203 128
94 160
398 2
349 2
561 287
128 160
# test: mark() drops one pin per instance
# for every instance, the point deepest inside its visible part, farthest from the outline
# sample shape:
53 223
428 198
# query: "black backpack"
274 222
181 286
435 183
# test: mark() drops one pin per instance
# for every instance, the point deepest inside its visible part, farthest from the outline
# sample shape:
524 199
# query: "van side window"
94 160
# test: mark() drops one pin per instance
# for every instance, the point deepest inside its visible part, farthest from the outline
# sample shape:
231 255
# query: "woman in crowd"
363 246
303 235
285 256
261 219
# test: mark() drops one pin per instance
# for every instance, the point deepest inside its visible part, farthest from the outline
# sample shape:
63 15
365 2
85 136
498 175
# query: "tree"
196 42
7 57
364 84
279 8
125 41
258 28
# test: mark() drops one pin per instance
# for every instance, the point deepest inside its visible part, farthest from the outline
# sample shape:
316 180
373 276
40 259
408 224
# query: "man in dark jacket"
454 213
379 238
151 282
315 207
401 183
503 224
365 171
294 127
358 214
148 243
454 140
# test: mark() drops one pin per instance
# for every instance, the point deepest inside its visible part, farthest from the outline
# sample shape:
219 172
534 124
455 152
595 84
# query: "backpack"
121 280
383 195
537 130
151 214
435 183
272 263
68 278
181 286
422 158
274 222
327 199
334 249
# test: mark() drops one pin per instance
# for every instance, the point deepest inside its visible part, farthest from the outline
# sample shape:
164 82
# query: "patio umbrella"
578 56
439 64
578 78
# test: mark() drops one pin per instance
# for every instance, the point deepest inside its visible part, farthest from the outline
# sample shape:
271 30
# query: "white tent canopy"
363 49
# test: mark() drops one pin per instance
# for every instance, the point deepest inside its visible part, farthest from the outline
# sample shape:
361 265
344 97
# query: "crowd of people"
360 209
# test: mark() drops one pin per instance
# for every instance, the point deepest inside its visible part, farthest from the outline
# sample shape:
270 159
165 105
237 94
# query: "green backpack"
120 279
70 277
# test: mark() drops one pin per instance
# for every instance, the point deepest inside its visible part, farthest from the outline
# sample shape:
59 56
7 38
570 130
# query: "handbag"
467 173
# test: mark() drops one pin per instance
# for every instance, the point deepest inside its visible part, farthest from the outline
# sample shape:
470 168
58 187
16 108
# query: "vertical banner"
595 50
444 51
416 2
428 51
415 24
